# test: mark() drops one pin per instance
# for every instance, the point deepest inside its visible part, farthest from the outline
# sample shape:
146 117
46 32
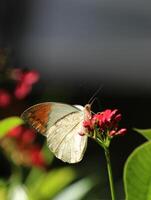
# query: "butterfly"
62 124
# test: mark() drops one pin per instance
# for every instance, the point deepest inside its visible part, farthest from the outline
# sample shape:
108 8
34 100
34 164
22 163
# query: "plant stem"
107 155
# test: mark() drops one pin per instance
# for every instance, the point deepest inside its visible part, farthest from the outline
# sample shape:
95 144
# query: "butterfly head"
88 107
87 111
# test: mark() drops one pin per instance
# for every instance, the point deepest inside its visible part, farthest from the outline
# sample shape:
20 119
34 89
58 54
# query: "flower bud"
121 131
112 133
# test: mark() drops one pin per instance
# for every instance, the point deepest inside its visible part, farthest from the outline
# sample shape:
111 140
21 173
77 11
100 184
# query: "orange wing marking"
38 116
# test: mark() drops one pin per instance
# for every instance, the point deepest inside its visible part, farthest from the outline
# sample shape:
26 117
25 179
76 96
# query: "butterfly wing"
64 140
61 124
39 115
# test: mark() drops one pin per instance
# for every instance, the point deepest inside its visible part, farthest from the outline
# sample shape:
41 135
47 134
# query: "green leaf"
48 155
137 173
32 177
9 123
3 190
50 183
144 132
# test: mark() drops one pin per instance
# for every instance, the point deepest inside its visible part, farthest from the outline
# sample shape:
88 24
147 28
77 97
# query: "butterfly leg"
84 131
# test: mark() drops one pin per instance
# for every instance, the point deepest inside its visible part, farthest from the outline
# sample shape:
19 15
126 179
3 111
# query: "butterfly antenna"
93 98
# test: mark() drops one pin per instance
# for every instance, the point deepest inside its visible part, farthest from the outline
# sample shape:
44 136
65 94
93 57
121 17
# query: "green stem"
16 176
107 155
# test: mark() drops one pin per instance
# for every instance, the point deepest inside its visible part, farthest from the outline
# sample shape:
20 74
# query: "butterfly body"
62 124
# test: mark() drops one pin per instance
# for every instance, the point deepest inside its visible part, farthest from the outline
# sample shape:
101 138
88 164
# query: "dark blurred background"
78 46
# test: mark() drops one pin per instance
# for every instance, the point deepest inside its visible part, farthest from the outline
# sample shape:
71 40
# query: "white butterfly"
62 124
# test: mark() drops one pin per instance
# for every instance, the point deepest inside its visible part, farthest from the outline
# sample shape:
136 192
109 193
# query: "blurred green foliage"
41 184
9 123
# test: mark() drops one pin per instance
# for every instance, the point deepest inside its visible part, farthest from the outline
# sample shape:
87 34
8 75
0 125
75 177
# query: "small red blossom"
22 134
22 90
88 124
25 82
28 136
5 98
118 117
105 116
36 156
107 119
15 132
30 77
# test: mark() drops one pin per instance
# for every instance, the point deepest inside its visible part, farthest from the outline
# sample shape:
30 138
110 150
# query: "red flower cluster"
24 81
19 144
105 122
22 134
26 151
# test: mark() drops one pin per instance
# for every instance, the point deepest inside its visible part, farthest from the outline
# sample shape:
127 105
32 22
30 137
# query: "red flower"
15 132
5 98
106 122
22 134
26 149
88 124
107 119
36 156
24 85
105 116
22 90
30 77
28 136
